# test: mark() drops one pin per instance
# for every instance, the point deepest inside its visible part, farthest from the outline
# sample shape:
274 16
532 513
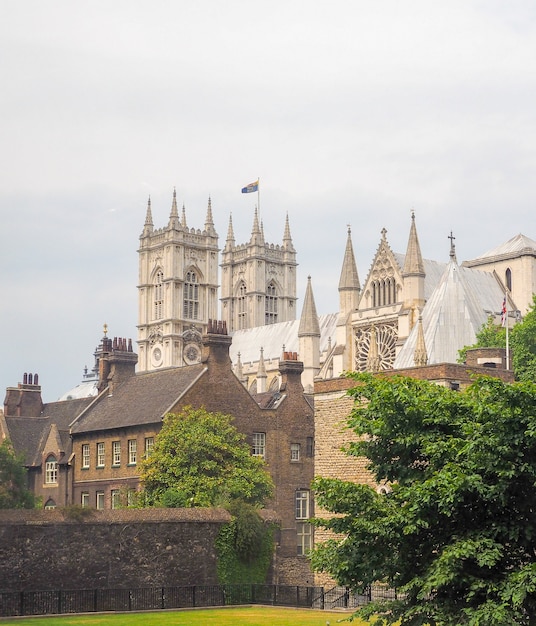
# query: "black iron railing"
57 602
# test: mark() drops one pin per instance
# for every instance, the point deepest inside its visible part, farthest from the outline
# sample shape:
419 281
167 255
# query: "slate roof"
29 434
142 399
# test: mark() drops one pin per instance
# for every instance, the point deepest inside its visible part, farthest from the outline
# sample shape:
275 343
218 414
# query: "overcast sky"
351 112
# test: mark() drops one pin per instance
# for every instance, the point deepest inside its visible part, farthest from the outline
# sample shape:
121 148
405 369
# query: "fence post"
95 591
193 596
163 597
59 602
21 603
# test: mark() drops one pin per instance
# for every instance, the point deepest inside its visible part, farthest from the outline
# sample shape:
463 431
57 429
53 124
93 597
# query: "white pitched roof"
459 306
519 243
273 336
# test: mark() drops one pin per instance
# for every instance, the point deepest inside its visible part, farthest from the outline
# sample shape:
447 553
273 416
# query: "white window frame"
51 470
99 500
295 449
115 498
304 536
116 453
101 454
148 446
132 451
259 445
84 499
302 504
86 456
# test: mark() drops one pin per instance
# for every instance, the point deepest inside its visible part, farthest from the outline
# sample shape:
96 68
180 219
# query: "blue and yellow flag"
251 187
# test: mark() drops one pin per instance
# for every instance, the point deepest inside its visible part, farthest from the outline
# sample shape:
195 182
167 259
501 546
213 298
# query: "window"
259 445
302 504
100 454
158 295
383 292
85 456
100 500
310 447
191 296
116 453
304 536
294 451
132 446
149 445
242 306
50 504
131 497
508 279
84 501
270 316
116 498
51 470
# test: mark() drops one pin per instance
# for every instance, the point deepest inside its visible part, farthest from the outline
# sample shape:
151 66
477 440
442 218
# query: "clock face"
157 356
191 353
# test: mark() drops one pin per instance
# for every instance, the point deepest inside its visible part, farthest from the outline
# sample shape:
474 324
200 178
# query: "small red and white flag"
504 313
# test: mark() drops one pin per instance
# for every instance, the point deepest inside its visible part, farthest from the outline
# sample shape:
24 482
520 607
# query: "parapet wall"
87 549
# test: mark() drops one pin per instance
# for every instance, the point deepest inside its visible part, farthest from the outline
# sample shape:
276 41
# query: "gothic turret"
148 227
413 273
174 215
349 287
309 339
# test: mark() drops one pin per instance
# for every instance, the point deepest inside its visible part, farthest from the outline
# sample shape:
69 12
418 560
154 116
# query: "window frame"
116 453
51 470
99 499
101 454
303 504
148 446
84 499
258 447
190 301
295 452
132 451
86 456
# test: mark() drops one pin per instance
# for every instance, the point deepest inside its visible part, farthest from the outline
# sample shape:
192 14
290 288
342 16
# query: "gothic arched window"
508 279
191 296
158 295
270 316
51 470
242 306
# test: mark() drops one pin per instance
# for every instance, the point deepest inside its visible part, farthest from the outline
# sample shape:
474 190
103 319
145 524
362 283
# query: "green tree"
200 459
523 344
456 535
14 492
489 336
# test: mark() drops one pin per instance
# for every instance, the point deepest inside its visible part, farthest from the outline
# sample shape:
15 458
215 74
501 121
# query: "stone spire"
420 356
413 265
261 374
309 339
239 372
349 286
309 325
256 233
413 274
174 215
183 218
230 241
209 222
148 227
373 357
287 239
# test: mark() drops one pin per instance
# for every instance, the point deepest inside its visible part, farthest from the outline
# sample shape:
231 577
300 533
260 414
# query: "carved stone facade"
177 290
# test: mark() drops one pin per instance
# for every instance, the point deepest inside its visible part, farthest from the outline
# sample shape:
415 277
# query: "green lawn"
243 616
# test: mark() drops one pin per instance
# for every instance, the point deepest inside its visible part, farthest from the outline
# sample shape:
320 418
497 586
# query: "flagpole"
259 197
507 341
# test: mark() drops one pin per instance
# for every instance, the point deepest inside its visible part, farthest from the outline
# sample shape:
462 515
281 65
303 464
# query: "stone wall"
65 549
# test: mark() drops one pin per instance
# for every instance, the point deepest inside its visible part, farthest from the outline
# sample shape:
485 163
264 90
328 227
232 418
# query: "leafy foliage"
489 336
244 547
522 343
14 492
200 459
457 533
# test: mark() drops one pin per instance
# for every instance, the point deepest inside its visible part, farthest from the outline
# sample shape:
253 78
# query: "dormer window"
51 470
